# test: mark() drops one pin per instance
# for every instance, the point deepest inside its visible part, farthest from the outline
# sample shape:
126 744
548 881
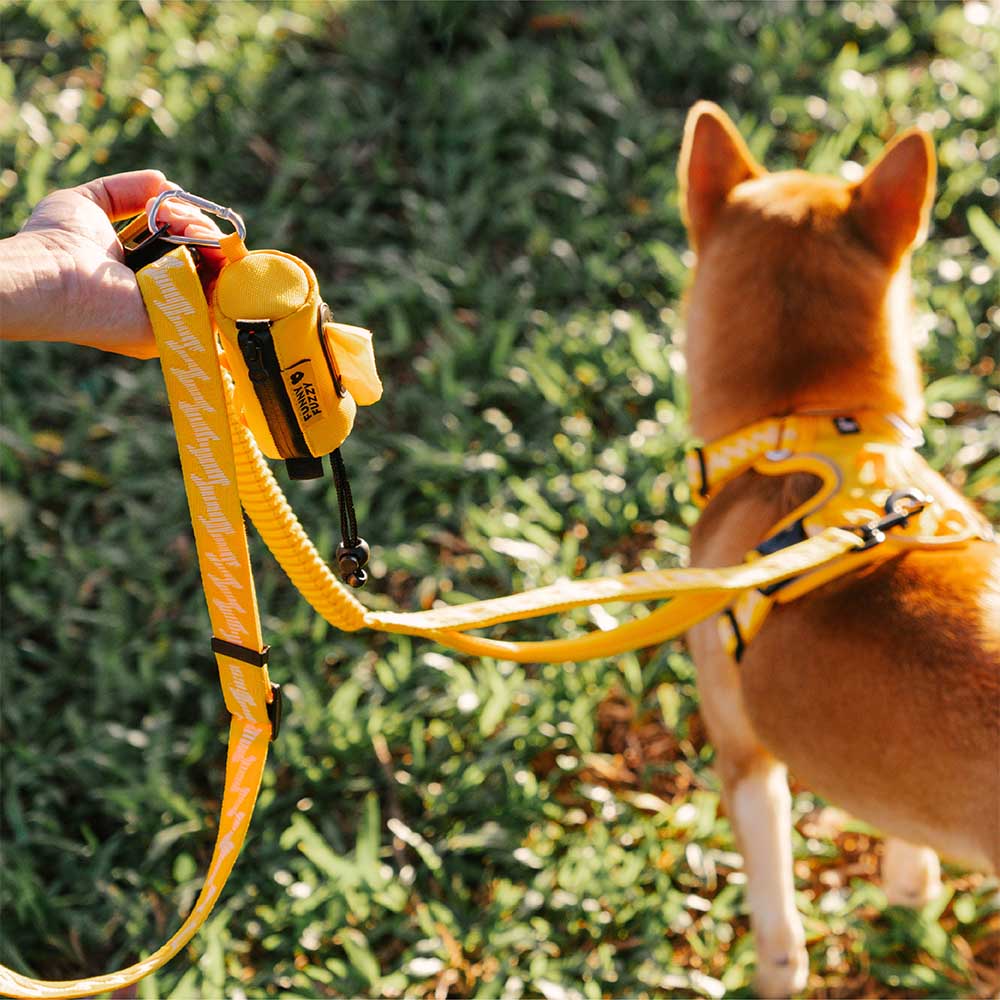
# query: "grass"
490 188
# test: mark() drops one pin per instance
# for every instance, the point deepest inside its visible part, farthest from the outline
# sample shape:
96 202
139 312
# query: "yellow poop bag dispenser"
299 376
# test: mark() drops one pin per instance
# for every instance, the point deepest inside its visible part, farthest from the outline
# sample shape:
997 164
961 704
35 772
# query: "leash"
265 370
198 406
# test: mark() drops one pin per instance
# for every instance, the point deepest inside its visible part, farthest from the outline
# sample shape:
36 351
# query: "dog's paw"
911 876
782 969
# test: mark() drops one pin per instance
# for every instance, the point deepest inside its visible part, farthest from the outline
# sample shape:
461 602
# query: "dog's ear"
891 204
714 159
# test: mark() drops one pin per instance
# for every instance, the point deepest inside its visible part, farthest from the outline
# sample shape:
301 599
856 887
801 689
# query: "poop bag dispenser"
299 376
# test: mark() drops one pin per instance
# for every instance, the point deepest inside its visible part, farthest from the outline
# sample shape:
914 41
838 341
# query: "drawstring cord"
353 552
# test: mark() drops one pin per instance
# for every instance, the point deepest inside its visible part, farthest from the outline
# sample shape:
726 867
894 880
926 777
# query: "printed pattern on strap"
177 309
711 467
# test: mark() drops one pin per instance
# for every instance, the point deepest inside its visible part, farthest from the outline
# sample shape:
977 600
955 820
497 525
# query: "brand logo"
302 388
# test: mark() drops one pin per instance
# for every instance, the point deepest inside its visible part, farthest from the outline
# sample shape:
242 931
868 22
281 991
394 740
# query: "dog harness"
872 481
262 366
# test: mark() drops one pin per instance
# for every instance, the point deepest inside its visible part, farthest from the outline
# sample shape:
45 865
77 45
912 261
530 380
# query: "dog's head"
800 296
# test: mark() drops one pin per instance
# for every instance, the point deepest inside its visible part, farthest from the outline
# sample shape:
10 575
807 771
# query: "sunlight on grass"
491 189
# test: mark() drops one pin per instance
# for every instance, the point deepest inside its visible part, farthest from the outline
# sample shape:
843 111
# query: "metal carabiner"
205 205
899 508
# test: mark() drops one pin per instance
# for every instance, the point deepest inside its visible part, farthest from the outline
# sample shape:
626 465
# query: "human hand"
62 278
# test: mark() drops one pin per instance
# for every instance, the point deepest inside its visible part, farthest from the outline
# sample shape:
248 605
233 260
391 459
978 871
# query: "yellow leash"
224 369
180 321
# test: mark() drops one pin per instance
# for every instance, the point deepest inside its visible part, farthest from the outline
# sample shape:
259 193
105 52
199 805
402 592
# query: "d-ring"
205 205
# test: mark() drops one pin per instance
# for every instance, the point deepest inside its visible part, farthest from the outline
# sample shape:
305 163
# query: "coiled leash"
264 368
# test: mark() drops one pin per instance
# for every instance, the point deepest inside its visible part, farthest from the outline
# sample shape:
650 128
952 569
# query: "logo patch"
301 385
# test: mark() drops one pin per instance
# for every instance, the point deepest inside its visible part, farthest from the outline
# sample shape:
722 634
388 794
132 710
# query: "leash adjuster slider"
255 657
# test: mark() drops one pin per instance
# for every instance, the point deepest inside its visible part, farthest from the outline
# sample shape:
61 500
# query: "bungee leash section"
263 369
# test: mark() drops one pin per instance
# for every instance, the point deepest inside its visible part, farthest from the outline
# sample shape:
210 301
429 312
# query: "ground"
491 189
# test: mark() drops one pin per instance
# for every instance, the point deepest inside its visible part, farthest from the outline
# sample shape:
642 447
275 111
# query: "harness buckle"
789 536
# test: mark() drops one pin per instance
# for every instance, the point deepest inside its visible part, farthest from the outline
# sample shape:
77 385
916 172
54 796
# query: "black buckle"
703 490
791 535
275 709
873 533
146 248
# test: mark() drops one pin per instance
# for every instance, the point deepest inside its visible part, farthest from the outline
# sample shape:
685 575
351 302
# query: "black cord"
353 552
345 501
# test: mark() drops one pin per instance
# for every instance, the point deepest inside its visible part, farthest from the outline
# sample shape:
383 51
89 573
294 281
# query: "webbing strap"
247 749
177 309
641 586
692 595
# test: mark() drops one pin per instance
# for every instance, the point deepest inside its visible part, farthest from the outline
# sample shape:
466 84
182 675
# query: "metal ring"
205 205
918 501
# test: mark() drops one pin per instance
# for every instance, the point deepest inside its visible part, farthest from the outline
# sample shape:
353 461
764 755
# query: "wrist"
30 287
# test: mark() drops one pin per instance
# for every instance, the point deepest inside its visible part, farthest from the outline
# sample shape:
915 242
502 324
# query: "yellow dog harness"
871 480
265 368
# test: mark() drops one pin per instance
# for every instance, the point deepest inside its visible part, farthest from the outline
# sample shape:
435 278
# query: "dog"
880 690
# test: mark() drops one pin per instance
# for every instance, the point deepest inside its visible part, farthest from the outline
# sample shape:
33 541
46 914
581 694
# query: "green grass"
495 197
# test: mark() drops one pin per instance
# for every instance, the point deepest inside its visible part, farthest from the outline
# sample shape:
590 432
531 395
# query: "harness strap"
696 593
177 310
712 466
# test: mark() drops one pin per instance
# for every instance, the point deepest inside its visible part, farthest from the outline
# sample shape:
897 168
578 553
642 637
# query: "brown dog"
880 690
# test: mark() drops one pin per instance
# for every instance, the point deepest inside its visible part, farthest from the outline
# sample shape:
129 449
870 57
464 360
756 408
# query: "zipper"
257 347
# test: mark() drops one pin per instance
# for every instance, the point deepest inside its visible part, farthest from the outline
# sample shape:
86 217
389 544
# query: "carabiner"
899 508
205 205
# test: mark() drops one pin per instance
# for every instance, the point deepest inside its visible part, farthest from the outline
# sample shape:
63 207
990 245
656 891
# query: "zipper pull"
252 354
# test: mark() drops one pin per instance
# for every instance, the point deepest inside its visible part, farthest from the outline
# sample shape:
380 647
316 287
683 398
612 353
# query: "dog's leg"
911 875
757 797
760 808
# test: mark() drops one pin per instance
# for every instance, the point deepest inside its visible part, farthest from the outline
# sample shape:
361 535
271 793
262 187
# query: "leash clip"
220 211
900 506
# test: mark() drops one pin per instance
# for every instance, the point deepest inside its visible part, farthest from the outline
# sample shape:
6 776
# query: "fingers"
185 219
120 196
